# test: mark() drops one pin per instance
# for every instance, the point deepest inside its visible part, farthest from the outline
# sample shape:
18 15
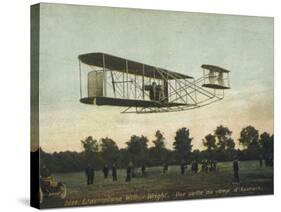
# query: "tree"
91 148
159 141
249 137
90 145
182 144
158 153
110 150
266 143
137 149
225 142
210 142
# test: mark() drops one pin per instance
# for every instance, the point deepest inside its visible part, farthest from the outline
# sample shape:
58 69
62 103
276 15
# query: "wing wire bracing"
199 96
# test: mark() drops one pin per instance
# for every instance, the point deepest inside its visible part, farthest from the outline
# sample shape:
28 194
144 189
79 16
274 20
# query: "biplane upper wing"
115 63
214 68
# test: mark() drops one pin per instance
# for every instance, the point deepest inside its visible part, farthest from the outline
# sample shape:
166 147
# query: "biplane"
140 88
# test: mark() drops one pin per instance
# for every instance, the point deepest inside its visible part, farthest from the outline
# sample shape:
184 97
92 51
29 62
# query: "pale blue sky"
174 40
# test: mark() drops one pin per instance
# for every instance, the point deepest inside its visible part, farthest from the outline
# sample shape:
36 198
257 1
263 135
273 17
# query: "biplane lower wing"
100 100
215 86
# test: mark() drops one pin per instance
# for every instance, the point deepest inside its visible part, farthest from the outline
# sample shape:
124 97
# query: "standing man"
236 171
114 172
143 169
203 166
105 171
165 168
196 167
90 174
182 167
261 161
129 172
215 165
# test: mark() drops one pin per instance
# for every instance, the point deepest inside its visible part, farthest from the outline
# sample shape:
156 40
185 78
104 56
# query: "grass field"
155 186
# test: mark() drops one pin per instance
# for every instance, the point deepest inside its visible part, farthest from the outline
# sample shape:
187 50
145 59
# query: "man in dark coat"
114 172
261 161
105 171
192 166
143 169
236 171
90 174
165 168
196 166
129 172
215 165
183 166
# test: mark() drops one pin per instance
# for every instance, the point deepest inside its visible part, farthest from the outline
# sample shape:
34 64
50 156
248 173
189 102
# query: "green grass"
251 177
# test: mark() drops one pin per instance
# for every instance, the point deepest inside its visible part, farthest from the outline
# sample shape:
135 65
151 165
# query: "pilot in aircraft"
156 92
152 91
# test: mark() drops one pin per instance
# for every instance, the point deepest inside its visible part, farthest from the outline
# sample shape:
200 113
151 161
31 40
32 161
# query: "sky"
178 41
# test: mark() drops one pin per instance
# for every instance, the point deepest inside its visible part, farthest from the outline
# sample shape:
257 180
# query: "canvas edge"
34 104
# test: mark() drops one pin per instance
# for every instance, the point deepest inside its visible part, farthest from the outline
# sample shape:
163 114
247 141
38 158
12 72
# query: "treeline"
219 146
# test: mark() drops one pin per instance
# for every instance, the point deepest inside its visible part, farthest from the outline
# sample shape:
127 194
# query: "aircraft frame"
116 81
